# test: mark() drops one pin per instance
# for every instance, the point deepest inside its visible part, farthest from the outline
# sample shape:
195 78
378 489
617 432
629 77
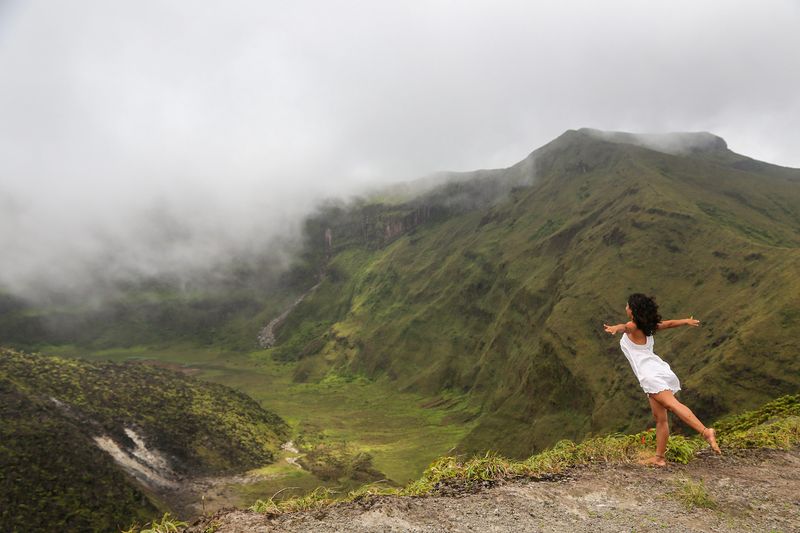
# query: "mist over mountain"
252 252
671 143
59 251
482 292
138 141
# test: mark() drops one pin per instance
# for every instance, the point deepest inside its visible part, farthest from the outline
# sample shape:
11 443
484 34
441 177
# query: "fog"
151 137
676 143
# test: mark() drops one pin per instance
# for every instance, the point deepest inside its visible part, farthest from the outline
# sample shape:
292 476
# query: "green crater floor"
401 431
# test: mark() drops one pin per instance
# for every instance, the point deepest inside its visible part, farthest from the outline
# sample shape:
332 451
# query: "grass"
316 499
693 494
400 431
166 524
402 437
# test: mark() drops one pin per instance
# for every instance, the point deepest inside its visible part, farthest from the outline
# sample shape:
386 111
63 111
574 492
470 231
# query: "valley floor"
403 432
753 490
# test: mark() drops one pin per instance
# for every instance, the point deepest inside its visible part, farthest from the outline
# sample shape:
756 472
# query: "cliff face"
500 290
372 226
374 223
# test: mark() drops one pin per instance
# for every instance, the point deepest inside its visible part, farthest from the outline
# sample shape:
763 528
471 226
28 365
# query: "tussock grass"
316 499
693 494
774 425
451 470
167 524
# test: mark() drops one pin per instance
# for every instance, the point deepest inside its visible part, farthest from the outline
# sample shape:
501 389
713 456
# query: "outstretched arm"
619 328
666 324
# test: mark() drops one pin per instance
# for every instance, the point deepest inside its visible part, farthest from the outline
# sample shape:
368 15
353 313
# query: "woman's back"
654 374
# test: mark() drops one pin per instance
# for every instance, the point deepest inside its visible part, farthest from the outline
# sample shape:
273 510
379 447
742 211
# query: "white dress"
653 373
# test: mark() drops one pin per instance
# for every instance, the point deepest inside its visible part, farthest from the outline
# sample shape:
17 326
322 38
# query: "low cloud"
149 138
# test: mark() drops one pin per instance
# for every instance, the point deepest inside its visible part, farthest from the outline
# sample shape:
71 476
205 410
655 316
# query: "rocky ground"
757 490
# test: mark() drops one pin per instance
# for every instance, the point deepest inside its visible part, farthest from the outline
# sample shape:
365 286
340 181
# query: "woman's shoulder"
635 334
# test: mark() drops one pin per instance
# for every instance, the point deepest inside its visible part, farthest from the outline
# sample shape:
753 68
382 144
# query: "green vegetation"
338 460
166 524
780 419
693 494
501 300
494 287
316 499
469 316
202 427
344 418
54 477
402 431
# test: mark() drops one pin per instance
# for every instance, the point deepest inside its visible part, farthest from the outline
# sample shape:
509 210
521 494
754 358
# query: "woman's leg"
668 400
662 433
662 426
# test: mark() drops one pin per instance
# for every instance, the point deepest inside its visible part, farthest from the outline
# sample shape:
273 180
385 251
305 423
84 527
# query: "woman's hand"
691 321
613 330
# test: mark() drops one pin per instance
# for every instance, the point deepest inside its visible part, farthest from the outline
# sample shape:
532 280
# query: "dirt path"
755 490
292 459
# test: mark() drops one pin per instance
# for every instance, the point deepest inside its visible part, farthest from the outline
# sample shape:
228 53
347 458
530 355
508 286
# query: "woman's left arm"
618 328
666 324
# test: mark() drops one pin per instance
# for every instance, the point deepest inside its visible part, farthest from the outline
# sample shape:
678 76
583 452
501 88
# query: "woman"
655 376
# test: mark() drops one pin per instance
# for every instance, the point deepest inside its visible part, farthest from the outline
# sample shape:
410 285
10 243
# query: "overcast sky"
230 119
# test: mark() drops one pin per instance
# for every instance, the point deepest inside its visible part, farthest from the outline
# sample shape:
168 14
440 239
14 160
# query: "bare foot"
711 438
653 461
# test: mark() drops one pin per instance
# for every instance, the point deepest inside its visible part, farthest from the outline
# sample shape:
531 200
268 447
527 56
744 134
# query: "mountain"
94 446
495 285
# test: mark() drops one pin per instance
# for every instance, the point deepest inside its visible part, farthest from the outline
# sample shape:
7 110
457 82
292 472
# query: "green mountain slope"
56 414
497 285
53 478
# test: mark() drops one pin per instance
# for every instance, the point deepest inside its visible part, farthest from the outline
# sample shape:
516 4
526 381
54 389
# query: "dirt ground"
756 490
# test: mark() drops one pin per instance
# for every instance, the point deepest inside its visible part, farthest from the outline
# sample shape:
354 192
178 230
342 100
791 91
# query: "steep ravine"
266 336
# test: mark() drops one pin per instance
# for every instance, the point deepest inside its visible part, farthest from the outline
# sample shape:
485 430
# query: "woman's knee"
670 403
660 417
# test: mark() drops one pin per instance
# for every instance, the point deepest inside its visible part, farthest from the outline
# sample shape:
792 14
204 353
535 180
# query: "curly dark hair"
645 312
